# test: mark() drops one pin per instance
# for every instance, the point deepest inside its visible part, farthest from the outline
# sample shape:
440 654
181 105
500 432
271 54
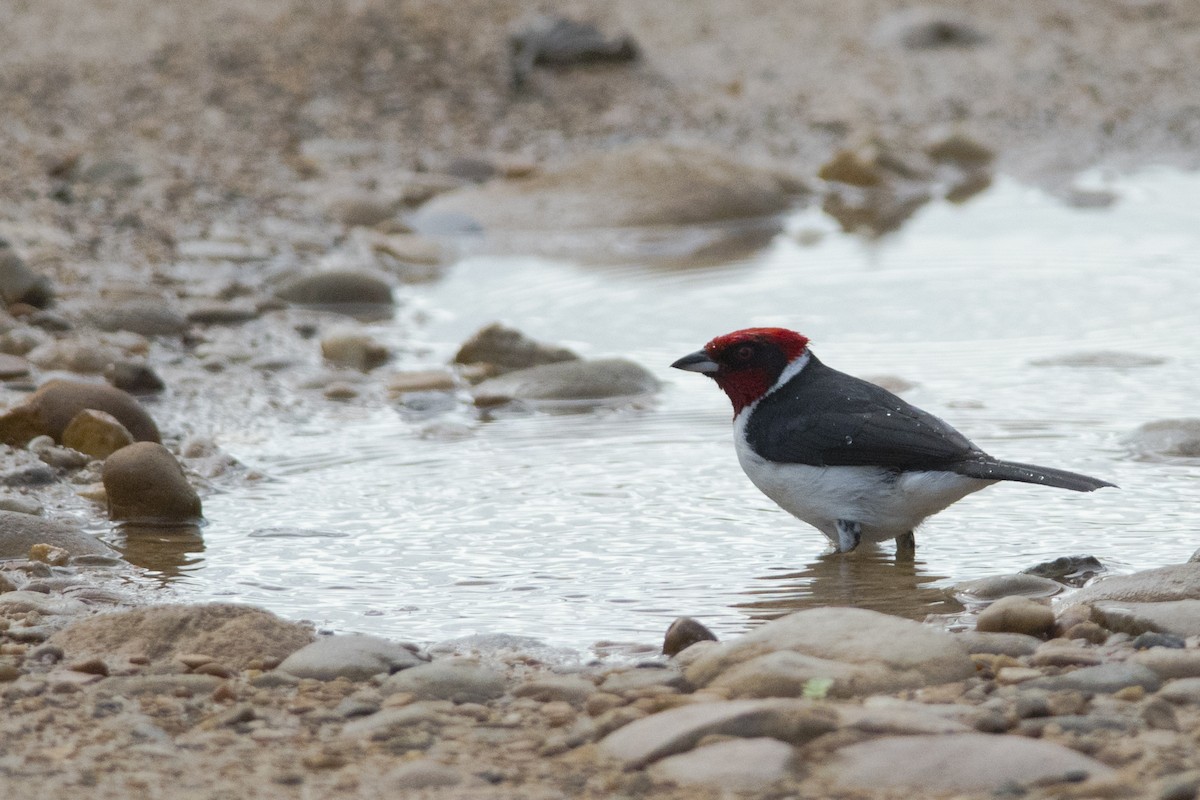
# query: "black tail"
1028 473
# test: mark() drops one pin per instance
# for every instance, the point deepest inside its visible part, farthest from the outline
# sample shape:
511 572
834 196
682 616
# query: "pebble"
735 765
503 349
353 656
646 183
355 350
1145 641
1016 615
1009 644
1067 568
457 680
635 680
218 313
1178 618
683 633
143 317
666 733
1101 679
72 355
13 367
337 288
1166 438
422 774
431 380
557 688
998 586
96 434
22 531
1183 691
144 483
1056 653
51 408
570 382
18 283
965 762
1170 663
134 378
239 635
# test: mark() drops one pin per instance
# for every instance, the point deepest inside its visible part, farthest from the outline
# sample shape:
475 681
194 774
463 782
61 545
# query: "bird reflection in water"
166 551
869 578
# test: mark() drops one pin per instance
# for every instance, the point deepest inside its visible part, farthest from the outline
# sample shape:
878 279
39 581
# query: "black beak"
697 362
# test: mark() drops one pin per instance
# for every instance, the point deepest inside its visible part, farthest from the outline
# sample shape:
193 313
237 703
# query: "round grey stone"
352 656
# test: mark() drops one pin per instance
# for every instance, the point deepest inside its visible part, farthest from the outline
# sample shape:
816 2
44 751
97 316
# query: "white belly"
884 503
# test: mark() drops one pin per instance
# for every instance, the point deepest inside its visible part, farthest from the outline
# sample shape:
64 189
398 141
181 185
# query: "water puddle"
607 525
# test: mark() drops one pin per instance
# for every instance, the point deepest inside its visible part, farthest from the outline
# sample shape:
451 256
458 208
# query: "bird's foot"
906 546
849 535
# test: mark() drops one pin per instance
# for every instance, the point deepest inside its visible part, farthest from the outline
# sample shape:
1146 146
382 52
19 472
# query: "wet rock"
430 380
19 284
735 765
498 349
677 730
354 350
560 42
1073 570
1166 438
1101 679
337 288
852 168
422 774
928 29
143 317
356 657
1009 644
232 250
1105 359
644 184
959 148
1173 582
1057 654
51 408
20 504
1016 615
965 762
916 654
569 382
242 635
19 532
133 377
96 434
1175 617
876 211
144 483
998 586
57 456
683 633
407 248
456 680
49 554
557 688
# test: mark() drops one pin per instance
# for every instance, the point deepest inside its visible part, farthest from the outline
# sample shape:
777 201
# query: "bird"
842 454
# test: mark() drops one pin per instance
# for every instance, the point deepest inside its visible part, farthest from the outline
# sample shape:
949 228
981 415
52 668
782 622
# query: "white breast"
884 503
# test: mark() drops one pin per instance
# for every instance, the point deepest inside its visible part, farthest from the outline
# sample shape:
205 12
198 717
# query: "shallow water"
606 525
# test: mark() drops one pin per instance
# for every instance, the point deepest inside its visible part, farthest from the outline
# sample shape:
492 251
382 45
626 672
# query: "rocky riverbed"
202 205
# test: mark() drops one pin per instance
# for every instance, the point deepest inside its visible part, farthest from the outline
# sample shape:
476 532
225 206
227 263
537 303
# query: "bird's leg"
849 535
906 546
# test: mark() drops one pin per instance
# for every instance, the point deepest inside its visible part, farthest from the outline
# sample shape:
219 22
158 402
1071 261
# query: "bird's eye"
745 352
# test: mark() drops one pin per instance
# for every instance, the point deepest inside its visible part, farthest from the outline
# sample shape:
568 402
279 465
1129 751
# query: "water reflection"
871 578
166 551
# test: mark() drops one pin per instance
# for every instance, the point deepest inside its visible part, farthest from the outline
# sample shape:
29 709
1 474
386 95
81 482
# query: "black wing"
823 417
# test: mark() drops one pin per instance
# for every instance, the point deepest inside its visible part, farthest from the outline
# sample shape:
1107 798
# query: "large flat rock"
963 762
906 653
1180 617
1173 582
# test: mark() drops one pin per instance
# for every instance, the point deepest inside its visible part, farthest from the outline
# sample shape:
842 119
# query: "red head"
746 363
